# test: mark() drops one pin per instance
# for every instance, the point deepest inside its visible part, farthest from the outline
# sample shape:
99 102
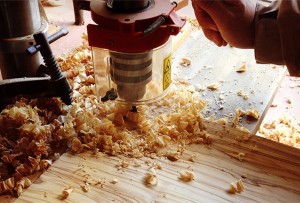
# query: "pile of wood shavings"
283 130
28 140
31 130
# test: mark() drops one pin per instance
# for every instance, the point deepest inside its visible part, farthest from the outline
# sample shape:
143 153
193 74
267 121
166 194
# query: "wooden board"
267 166
271 173
215 65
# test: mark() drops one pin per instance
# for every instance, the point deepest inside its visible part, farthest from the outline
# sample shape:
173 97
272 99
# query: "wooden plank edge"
274 157
262 116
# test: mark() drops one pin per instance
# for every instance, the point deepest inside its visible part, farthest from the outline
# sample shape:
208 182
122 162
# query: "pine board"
215 65
271 170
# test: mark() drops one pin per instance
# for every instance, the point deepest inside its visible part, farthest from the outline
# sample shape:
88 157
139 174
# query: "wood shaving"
242 69
151 178
252 113
222 121
115 181
101 182
187 176
213 87
238 114
25 182
124 164
274 105
85 187
76 145
137 163
193 22
185 62
236 186
173 155
284 130
241 156
66 192
192 158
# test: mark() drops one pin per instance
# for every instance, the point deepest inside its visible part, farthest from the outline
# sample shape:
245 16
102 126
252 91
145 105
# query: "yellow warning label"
167 72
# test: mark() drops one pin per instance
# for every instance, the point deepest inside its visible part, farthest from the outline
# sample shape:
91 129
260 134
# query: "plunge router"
131 48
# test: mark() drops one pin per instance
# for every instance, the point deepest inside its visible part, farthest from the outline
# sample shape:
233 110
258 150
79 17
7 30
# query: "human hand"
227 21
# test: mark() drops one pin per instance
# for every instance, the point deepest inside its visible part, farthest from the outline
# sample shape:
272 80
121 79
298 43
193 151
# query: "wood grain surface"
219 65
270 171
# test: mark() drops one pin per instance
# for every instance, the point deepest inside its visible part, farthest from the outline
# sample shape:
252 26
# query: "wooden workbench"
269 170
270 173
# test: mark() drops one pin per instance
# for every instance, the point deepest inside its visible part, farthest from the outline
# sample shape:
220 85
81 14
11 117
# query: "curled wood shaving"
241 69
151 178
185 62
124 164
66 192
76 145
192 158
284 130
187 176
111 128
173 155
222 121
115 181
236 186
252 113
85 187
238 114
213 87
241 156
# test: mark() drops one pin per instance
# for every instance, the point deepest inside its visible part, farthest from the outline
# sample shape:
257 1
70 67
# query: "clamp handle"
55 73
52 38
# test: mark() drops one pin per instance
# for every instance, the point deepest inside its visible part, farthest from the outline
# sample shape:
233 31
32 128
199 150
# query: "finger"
215 37
224 43
216 9
205 21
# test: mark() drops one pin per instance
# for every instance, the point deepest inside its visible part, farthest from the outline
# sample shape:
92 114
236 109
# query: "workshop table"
269 170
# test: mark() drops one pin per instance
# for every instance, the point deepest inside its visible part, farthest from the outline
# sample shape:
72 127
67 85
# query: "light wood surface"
271 170
271 173
215 65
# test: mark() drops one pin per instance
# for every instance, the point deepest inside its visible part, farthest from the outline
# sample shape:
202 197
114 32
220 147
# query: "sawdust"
284 130
89 124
